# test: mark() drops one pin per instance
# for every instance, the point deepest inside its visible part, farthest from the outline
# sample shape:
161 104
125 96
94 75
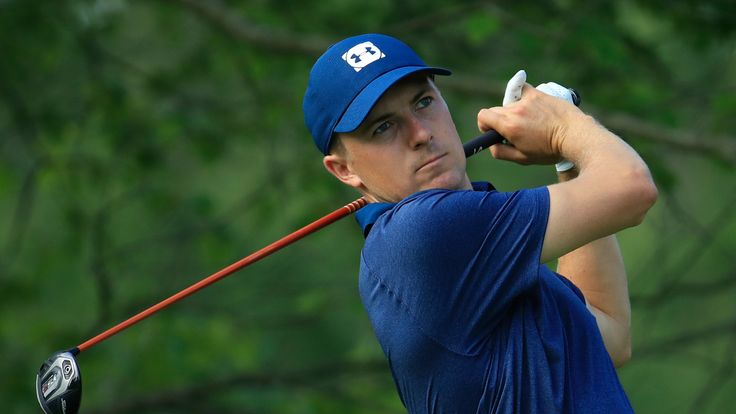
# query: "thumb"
513 87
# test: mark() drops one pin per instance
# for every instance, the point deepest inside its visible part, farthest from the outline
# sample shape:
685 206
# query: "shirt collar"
368 215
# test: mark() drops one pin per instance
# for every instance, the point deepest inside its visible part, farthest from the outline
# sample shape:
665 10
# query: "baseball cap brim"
358 110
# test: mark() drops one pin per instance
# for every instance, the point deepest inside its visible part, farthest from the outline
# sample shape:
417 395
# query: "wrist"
576 139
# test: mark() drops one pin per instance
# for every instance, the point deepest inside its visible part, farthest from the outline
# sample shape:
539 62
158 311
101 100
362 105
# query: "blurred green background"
146 144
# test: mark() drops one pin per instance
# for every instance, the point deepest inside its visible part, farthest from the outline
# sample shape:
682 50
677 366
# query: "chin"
450 182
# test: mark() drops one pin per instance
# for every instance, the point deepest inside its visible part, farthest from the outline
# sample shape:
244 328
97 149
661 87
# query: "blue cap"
350 77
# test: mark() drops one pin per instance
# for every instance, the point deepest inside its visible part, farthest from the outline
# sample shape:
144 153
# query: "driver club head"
59 384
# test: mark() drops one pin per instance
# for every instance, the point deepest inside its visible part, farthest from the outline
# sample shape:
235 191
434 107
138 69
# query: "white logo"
362 55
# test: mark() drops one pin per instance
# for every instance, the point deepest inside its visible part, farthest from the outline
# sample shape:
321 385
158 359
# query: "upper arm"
595 205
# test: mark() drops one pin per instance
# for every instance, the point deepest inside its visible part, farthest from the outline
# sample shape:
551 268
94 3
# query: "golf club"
59 380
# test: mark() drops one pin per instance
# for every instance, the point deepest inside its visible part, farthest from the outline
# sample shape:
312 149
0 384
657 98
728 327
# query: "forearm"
613 190
610 168
598 270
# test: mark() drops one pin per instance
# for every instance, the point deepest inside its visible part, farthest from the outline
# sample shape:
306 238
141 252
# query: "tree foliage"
144 145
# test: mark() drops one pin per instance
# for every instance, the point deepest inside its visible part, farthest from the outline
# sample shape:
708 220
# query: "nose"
421 134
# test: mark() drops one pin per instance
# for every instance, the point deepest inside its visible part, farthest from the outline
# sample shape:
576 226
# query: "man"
452 273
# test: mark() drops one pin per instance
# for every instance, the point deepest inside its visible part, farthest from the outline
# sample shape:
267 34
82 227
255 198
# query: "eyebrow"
371 120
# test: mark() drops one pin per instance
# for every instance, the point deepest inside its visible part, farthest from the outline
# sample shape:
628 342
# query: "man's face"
407 143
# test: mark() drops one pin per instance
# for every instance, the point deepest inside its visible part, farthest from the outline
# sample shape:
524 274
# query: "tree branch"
672 285
98 266
21 216
718 378
243 30
721 147
688 338
679 290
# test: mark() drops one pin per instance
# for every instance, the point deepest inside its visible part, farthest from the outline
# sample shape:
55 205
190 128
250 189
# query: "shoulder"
446 220
443 209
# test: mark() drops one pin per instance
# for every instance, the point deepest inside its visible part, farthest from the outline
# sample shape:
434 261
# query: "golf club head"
59 384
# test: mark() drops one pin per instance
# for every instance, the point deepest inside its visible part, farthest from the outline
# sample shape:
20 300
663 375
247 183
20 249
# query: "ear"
338 166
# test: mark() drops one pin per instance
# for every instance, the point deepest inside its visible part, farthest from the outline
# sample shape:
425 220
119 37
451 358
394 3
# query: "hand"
534 127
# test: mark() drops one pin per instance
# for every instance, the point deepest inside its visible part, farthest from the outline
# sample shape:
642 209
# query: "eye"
382 128
424 102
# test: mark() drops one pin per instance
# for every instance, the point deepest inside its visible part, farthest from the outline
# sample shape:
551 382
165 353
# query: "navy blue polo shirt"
469 319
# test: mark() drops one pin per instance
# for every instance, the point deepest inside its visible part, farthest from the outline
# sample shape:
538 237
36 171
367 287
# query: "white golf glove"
513 94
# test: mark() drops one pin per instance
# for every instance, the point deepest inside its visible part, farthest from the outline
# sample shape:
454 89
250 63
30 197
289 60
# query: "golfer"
452 273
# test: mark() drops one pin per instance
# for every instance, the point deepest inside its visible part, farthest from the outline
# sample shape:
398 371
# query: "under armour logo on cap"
362 55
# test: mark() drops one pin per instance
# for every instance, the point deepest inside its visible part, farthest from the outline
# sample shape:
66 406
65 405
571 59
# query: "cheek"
385 167
449 125
383 172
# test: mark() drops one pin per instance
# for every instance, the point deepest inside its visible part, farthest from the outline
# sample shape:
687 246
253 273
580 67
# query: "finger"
528 90
489 118
508 153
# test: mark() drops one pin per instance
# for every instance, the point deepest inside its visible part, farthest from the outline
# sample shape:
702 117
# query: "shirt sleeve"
458 259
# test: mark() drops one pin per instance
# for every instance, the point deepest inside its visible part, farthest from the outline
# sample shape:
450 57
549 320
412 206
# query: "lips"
431 161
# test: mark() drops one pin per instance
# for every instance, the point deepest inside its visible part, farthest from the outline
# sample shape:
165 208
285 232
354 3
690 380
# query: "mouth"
432 161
